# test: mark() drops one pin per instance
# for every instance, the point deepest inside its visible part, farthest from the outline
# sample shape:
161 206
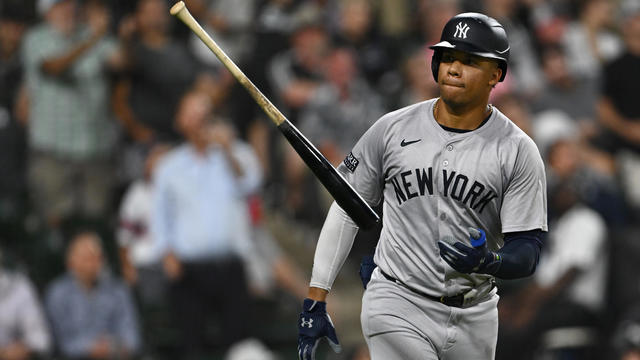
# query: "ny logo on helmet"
461 31
306 323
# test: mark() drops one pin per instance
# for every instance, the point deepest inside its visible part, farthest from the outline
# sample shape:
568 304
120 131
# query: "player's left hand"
313 324
471 259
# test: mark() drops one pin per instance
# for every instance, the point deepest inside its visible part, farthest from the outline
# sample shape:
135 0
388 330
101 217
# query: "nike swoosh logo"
404 142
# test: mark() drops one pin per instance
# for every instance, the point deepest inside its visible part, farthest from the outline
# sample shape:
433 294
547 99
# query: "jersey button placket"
449 148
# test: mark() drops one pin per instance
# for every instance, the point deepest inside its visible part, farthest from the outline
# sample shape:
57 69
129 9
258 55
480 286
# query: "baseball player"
464 202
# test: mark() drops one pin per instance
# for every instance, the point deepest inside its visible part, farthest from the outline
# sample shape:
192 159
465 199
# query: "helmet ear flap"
435 63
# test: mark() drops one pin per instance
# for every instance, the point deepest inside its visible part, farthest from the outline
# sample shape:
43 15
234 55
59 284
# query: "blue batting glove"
314 324
366 269
471 259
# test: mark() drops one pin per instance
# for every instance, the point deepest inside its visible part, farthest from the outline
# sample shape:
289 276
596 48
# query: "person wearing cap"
463 192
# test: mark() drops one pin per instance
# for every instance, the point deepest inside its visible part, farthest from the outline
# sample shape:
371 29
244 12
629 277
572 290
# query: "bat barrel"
344 194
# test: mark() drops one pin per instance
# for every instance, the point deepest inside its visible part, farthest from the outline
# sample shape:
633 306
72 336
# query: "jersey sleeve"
524 204
363 166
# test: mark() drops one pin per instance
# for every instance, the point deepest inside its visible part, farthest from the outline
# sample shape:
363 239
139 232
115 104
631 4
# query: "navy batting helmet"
476 34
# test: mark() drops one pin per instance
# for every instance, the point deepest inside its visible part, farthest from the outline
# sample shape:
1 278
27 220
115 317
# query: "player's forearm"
334 245
519 255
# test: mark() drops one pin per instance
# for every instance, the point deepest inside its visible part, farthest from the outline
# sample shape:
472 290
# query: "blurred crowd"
150 210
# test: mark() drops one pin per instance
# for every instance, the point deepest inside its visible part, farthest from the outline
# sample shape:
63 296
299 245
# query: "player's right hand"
313 324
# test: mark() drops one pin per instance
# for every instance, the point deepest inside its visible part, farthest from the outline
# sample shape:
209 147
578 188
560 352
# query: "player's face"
465 78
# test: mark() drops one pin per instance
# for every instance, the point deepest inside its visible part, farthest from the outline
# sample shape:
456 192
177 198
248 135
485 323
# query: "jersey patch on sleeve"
351 162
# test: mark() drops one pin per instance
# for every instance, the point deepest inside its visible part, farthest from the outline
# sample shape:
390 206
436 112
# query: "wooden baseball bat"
338 187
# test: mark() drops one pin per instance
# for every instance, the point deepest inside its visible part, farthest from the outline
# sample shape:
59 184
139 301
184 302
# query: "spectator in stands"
201 224
138 257
588 40
147 98
619 108
92 313
13 24
275 21
564 91
23 326
296 73
355 30
140 262
71 133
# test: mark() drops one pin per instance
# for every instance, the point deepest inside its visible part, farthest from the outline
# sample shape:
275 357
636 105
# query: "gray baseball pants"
399 324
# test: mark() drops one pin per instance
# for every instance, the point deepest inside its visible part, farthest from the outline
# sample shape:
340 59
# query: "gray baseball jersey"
437 183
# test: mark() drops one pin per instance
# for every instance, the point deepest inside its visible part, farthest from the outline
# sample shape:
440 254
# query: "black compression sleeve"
520 254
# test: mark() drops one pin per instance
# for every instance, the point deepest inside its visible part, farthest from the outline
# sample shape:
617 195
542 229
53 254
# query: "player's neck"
464 117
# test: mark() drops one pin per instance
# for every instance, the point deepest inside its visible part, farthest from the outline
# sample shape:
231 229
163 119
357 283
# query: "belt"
455 301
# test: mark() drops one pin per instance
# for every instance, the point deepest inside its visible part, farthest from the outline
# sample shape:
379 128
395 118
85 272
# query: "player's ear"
496 74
